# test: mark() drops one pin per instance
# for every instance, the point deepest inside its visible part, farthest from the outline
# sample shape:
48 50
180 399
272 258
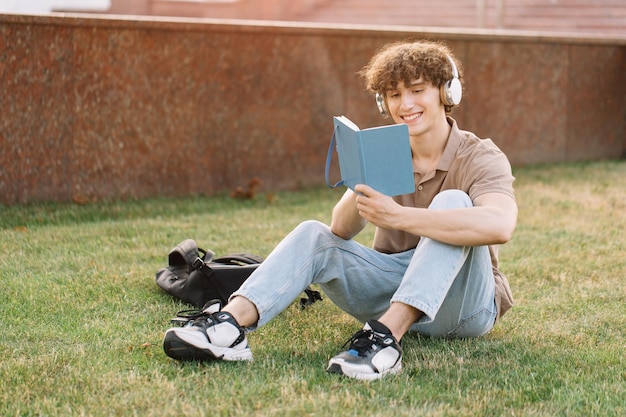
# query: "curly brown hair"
407 61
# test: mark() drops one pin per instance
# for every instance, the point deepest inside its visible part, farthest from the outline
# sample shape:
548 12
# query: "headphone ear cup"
452 92
382 107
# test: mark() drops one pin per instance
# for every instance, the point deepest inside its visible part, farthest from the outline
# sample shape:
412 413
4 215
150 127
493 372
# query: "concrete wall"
103 108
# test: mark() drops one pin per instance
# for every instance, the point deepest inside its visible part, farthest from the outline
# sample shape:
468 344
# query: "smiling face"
418 105
401 64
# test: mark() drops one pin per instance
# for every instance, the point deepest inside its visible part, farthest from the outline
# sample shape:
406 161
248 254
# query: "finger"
364 189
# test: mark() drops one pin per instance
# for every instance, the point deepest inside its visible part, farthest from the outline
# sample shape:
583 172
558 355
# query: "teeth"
411 117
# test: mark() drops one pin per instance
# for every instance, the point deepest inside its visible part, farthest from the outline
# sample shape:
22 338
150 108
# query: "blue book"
379 157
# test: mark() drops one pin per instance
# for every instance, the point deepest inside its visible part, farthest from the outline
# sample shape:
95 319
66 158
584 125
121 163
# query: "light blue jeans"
452 285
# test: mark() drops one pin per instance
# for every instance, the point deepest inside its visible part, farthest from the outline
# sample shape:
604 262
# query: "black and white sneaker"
207 335
373 353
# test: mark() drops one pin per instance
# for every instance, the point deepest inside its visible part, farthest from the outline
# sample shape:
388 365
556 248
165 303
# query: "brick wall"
104 108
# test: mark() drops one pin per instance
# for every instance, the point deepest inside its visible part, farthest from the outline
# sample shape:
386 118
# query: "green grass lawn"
82 319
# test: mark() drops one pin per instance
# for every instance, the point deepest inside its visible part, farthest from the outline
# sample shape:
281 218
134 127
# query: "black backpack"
197 279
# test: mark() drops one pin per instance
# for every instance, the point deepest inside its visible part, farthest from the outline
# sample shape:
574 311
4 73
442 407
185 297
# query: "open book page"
348 123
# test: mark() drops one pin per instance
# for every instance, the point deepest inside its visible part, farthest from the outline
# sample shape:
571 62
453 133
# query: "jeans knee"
312 227
313 231
450 199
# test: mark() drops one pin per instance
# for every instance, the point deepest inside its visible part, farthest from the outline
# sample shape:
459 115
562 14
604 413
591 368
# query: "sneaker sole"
178 348
336 368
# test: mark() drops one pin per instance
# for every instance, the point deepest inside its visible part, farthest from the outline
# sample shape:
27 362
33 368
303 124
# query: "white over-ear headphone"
382 107
451 91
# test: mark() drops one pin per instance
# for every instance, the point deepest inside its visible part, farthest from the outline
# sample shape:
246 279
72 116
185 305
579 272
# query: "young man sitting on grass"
433 268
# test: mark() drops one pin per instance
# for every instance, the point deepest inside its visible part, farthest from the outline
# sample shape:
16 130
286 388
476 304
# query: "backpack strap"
311 297
185 253
240 259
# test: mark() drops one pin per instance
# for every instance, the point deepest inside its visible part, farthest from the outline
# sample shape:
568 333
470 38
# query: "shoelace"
362 341
185 316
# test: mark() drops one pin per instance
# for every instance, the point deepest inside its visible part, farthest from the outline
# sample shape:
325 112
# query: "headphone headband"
455 72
